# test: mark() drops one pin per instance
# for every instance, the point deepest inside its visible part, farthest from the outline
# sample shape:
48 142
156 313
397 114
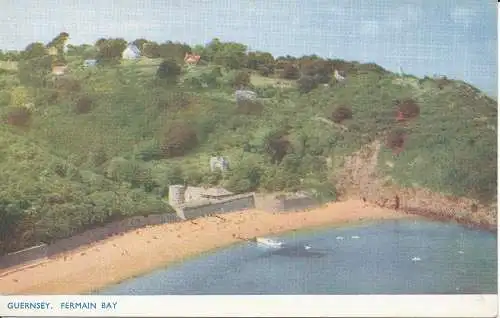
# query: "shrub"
264 71
168 70
239 79
83 105
67 84
290 71
340 114
175 100
306 84
396 139
277 145
250 107
407 108
19 116
179 138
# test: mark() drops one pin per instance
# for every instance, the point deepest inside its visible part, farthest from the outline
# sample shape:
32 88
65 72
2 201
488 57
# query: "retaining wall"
38 253
234 203
271 203
26 256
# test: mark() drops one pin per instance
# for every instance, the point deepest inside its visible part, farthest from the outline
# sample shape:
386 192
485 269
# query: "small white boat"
307 247
339 238
460 252
355 237
268 242
416 259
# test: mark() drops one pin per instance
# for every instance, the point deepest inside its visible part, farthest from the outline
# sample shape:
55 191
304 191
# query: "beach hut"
131 52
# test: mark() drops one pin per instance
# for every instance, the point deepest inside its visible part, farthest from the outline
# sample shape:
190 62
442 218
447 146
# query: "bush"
19 116
340 114
290 71
83 105
306 84
179 138
396 139
407 108
67 84
238 79
264 71
168 70
175 100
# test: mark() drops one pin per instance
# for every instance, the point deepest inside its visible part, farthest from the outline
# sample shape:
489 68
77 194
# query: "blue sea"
385 257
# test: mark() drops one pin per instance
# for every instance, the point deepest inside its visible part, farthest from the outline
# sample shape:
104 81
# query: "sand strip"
141 251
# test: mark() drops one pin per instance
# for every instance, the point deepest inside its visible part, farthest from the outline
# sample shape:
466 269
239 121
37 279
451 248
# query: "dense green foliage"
104 143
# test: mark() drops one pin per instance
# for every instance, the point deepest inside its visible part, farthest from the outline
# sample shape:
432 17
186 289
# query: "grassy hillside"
93 149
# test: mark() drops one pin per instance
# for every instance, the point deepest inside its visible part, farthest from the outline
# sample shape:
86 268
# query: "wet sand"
140 251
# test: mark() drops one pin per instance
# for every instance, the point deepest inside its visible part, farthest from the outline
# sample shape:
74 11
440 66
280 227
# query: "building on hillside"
89 63
219 163
339 77
191 59
131 52
59 70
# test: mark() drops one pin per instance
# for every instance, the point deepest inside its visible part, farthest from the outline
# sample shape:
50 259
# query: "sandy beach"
140 251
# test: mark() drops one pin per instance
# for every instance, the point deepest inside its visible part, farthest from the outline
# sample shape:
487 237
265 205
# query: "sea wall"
198 209
283 203
43 251
26 256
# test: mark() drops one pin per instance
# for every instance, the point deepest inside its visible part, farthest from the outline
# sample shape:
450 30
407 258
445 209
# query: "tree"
321 70
290 71
232 56
59 42
151 50
110 50
212 48
34 72
340 114
140 44
306 84
277 145
407 108
168 70
19 116
173 51
179 138
255 60
33 51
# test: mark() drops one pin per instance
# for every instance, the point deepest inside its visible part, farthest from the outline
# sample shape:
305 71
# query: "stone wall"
194 210
299 204
38 253
26 256
273 203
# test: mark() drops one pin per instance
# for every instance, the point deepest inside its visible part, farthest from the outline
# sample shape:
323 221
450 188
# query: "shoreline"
135 253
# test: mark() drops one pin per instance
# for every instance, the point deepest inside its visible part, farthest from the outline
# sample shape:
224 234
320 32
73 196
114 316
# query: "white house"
218 163
338 76
131 52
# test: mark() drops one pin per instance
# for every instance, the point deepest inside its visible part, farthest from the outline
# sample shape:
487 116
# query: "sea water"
385 257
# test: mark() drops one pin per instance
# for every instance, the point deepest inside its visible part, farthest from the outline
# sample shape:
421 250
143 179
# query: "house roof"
133 48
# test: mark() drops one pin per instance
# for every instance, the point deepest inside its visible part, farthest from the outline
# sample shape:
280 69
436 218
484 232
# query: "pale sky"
457 38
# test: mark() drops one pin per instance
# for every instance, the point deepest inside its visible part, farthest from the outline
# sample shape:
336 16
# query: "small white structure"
59 70
218 163
176 195
89 63
131 52
338 77
245 95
